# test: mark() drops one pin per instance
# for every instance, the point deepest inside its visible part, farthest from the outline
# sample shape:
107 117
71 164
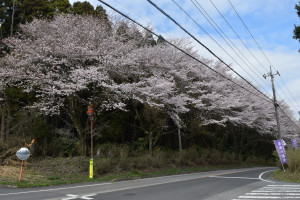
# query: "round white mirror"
23 153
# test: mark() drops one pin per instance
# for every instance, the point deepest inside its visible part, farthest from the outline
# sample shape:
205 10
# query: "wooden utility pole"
274 99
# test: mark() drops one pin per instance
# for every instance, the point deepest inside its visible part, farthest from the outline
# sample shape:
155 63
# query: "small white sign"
23 153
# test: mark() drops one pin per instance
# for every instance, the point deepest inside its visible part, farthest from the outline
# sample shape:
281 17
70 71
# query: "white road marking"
87 197
260 176
273 192
133 187
259 197
84 197
233 177
71 196
284 186
276 191
54 189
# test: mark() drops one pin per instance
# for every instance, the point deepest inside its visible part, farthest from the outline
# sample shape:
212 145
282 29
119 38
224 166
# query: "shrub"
62 147
293 157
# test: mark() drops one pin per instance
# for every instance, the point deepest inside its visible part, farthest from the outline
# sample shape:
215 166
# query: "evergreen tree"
297 28
160 39
15 12
60 6
35 9
83 8
7 8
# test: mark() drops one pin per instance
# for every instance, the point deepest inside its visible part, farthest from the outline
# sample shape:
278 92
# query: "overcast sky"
271 22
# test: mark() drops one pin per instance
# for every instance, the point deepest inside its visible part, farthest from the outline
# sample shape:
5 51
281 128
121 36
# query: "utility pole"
274 99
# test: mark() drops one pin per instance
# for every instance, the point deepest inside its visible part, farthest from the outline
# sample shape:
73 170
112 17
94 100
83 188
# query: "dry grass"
12 174
43 171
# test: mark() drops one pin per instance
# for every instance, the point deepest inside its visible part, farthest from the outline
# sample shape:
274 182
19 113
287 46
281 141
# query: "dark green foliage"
101 13
297 28
39 128
35 9
160 40
26 10
83 8
60 6
62 147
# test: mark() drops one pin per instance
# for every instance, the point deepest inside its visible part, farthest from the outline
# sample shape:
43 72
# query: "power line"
237 35
289 118
285 96
194 58
250 32
210 51
218 28
230 45
290 92
221 46
261 50
240 38
181 50
155 27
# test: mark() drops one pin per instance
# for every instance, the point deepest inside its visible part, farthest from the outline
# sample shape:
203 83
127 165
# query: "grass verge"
286 176
32 179
43 171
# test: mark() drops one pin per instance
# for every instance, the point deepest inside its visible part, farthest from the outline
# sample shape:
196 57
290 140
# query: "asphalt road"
234 184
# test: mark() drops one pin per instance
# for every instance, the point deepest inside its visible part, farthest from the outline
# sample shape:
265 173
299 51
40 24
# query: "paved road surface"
234 184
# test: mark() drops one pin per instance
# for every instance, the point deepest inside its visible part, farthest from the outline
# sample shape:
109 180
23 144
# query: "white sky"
270 21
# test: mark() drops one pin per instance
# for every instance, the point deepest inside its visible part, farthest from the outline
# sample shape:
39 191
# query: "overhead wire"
287 98
209 50
290 92
230 45
211 24
235 10
181 50
249 32
218 29
242 40
155 27
221 46
162 11
289 117
191 56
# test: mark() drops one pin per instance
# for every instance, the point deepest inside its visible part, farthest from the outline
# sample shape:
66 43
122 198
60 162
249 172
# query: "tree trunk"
2 128
179 140
151 143
81 133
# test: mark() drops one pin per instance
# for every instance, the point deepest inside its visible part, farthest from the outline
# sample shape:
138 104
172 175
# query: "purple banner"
279 144
295 143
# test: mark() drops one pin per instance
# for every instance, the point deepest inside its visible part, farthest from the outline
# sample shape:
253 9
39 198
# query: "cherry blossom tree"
72 61
62 58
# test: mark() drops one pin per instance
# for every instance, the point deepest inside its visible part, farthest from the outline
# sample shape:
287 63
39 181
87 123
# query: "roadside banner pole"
279 144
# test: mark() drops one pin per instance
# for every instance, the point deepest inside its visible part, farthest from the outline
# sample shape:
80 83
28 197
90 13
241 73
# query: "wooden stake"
282 167
21 170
